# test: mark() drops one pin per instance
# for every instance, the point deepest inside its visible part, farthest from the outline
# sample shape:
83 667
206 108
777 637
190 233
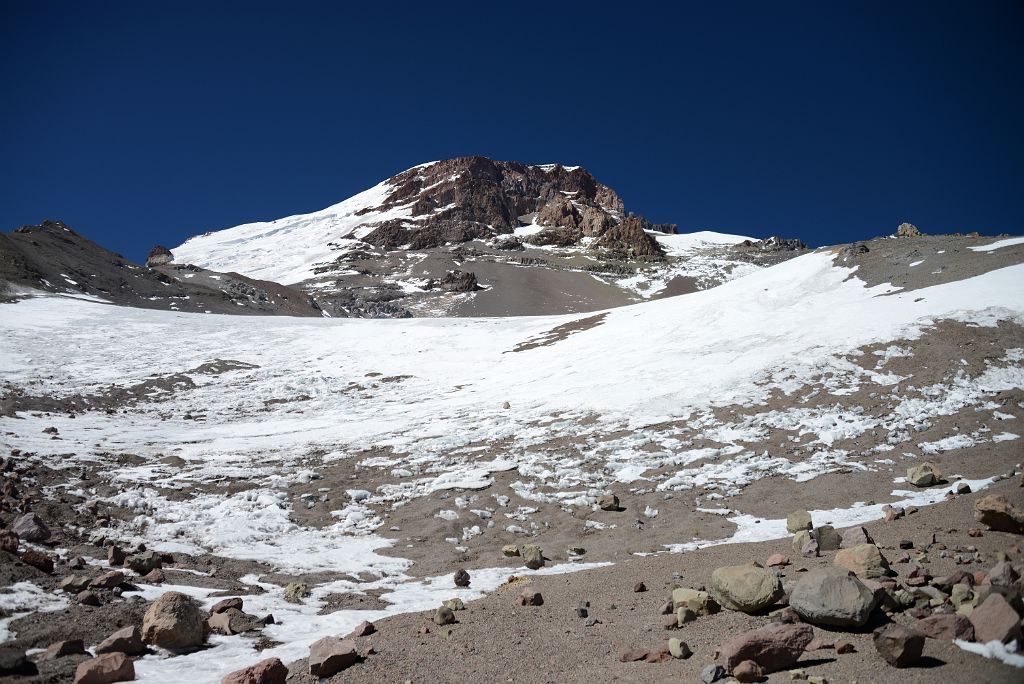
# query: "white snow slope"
779 328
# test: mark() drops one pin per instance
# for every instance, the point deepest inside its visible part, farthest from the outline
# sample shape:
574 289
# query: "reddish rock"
105 669
127 641
530 597
269 671
946 626
633 655
364 628
234 621
39 561
777 560
820 644
748 671
108 580
222 606
974 532
9 541
855 536
116 555
995 620
155 576
658 655
900 646
331 655
63 648
843 647
773 648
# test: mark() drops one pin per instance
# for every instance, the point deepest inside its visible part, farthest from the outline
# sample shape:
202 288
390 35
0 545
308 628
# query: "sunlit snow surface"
781 328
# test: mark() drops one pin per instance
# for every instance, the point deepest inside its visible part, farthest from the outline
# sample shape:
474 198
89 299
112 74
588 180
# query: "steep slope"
370 459
536 239
51 257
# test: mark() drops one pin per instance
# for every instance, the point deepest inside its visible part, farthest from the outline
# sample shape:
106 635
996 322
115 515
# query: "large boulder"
899 645
30 527
533 557
923 475
855 536
798 520
746 588
864 560
269 671
174 622
907 230
832 596
105 669
331 655
774 647
995 620
998 513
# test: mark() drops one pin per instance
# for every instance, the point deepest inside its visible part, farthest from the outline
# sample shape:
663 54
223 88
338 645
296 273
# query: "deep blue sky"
139 123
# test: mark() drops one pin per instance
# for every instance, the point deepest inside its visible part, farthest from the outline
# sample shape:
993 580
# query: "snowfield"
429 390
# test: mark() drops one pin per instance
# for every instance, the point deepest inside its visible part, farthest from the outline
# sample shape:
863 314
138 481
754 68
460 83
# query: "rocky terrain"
476 237
811 471
52 258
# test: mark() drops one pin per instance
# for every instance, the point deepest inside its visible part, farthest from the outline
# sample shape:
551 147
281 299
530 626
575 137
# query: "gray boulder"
832 596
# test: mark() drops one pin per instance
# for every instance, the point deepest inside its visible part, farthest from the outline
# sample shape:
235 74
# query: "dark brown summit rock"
630 240
158 256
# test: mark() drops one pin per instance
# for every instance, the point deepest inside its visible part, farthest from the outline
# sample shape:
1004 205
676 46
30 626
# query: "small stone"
963 488
923 475
777 560
679 649
144 563
127 641
295 592
974 532
591 621
156 578
712 673
576 551
906 544
331 655
105 669
364 628
700 602
898 645
843 647
115 555
30 527
800 540
108 580
798 520
893 513
221 606
639 588
810 549
461 578
608 502
444 616
633 655
995 620
748 671
454 603
63 648
234 621
583 609
530 597
87 598
510 550
269 671
684 615
533 558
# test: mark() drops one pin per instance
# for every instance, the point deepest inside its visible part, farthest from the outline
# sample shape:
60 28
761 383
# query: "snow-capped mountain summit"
391 250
